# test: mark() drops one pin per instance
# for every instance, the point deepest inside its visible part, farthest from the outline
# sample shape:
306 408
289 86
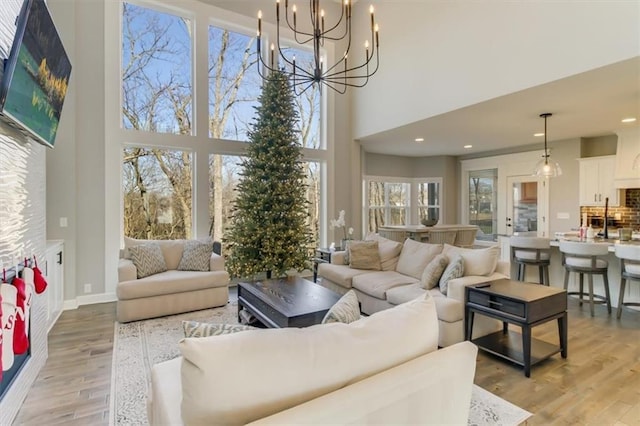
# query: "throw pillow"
148 259
415 256
346 310
203 329
454 270
476 261
364 255
196 256
389 251
433 271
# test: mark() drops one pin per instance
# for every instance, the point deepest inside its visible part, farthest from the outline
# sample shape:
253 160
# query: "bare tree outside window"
156 71
157 193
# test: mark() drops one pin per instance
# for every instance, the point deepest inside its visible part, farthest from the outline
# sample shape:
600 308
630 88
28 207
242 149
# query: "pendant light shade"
546 167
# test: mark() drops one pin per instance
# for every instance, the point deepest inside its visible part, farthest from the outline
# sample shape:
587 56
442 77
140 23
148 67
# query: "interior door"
527 211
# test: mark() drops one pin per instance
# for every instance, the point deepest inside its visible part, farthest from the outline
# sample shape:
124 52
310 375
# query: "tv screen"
36 75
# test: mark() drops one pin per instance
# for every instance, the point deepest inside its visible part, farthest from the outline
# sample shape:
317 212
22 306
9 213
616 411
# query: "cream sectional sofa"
399 280
170 292
324 374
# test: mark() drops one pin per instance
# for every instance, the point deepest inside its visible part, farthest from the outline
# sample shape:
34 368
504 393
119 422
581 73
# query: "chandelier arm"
365 64
341 88
347 27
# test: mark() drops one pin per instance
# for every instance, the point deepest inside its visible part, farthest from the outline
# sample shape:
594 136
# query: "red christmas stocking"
20 339
28 277
9 294
38 279
1 337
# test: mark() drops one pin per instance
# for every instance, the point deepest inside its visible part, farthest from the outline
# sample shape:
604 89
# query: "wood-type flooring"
599 383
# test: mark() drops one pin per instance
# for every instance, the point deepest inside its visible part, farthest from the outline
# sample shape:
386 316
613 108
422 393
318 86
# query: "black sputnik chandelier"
338 76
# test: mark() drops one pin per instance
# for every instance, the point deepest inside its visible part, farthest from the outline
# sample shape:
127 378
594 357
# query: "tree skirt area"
140 344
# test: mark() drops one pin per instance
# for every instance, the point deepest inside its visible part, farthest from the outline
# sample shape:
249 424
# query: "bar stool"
582 258
629 270
532 251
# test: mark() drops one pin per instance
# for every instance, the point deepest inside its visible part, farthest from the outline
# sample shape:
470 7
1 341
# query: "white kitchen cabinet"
597 181
54 272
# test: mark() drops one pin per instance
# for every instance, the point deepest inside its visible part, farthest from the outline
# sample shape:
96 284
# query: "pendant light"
546 167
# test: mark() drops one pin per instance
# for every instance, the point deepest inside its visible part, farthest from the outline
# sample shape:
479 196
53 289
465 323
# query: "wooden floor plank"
598 384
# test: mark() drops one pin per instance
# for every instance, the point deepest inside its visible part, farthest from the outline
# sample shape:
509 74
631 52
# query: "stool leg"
546 275
541 274
581 287
623 283
566 279
591 295
607 293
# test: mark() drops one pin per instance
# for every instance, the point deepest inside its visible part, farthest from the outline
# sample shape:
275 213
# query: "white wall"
457 54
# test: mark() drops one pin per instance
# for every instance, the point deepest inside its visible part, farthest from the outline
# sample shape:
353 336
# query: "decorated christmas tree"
268 231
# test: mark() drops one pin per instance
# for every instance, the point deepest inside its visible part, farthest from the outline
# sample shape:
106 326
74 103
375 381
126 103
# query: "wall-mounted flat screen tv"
36 75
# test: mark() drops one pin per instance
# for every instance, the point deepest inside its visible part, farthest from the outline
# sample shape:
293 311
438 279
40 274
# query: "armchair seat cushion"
171 282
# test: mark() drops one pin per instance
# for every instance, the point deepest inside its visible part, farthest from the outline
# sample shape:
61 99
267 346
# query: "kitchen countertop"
611 241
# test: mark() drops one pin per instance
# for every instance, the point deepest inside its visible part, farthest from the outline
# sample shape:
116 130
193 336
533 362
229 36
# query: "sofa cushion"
364 255
455 269
196 256
327 357
432 273
171 249
476 261
376 284
415 256
342 275
449 310
389 251
171 282
148 259
346 310
203 329
405 293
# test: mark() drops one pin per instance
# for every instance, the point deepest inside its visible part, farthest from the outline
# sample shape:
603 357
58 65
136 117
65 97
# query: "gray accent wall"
445 167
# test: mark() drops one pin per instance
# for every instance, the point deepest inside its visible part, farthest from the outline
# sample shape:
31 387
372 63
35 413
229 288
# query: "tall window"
483 201
234 83
156 128
156 71
157 193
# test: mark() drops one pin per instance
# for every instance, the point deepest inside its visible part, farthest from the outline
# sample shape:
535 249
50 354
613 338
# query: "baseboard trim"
90 299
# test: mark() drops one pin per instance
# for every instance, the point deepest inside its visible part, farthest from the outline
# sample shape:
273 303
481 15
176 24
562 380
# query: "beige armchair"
172 291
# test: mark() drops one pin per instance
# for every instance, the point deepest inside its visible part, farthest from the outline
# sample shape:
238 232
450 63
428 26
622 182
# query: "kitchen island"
557 271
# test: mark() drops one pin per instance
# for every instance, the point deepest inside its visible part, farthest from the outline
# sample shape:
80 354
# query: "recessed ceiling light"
629 120
468 146
538 135
419 139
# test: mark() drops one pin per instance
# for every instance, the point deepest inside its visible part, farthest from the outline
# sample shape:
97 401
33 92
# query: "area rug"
140 344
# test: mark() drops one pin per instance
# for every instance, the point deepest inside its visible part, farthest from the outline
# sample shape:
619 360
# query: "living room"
456 56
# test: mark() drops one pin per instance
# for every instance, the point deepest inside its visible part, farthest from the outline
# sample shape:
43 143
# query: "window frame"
411 210
199 141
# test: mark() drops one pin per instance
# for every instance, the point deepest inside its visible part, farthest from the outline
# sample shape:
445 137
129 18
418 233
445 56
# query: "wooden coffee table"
523 304
287 302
